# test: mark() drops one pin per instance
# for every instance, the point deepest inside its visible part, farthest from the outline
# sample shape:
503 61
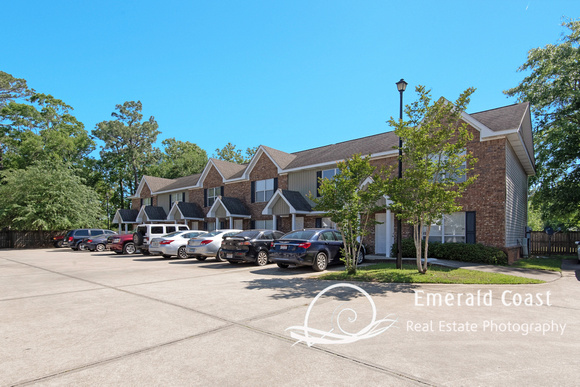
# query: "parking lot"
81 318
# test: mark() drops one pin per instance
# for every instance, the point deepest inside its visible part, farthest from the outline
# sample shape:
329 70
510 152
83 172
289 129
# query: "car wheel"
360 257
181 253
58 243
100 247
81 246
218 256
129 248
283 265
201 258
320 262
262 258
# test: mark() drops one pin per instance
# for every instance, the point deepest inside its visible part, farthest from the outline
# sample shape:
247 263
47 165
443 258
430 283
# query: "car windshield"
302 234
212 234
172 234
250 234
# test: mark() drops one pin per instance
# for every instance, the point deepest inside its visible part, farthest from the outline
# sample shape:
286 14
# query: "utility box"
525 242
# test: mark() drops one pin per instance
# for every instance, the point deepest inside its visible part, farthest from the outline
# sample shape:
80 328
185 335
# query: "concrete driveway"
82 318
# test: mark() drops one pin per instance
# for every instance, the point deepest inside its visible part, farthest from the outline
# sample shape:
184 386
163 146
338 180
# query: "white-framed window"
264 224
147 201
264 189
458 176
450 228
177 197
329 173
212 195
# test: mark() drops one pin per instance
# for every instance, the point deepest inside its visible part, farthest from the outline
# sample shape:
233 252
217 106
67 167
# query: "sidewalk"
543 275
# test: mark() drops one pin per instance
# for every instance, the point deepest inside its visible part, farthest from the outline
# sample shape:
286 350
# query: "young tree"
552 87
435 161
230 153
128 148
47 196
350 198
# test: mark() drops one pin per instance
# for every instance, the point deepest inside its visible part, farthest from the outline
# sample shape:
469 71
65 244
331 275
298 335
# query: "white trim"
174 209
278 194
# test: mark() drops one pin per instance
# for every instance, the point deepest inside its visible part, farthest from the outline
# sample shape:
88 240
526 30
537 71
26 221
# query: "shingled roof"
503 118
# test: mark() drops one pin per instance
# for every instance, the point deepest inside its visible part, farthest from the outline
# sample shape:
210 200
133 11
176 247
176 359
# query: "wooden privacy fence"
27 239
562 243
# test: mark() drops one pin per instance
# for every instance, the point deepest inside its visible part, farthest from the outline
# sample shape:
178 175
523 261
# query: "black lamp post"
401 86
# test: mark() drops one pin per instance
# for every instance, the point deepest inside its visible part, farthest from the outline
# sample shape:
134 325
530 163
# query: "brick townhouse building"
271 191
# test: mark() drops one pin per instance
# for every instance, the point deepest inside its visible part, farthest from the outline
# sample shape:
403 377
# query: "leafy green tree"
47 196
435 161
128 146
230 153
180 158
349 199
12 88
552 87
36 126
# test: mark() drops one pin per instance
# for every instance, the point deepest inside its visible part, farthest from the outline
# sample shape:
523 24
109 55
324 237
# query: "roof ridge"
501 107
343 142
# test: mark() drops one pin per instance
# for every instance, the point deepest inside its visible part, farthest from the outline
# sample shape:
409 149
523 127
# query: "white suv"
145 232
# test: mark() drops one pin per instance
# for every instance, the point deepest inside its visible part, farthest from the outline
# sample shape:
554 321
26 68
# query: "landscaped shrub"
462 252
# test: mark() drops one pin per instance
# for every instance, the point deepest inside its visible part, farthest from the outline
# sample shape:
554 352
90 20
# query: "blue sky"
291 75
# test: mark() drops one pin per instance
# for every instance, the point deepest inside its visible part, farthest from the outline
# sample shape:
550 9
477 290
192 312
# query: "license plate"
283 247
229 255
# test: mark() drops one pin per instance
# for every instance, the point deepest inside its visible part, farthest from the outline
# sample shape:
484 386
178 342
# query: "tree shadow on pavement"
290 288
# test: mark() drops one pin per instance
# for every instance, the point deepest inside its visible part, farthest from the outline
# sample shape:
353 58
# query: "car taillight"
205 242
70 239
166 242
90 241
246 243
305 245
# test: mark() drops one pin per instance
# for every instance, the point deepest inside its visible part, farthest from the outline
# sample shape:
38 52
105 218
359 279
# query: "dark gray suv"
74 238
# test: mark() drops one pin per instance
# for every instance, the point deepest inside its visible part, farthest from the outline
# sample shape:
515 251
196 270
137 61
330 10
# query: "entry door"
299 222
381 233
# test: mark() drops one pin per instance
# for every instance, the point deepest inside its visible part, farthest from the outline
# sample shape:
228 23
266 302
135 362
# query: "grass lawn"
553 263
387 272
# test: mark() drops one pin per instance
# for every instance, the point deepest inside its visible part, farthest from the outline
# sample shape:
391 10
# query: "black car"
249 246
310 247
98 243
74 238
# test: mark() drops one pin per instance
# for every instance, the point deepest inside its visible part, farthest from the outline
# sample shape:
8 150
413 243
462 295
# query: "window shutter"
253 189
318 177
318 223
141 203
252 224
470 227
205 201
275 184
222 191
204 226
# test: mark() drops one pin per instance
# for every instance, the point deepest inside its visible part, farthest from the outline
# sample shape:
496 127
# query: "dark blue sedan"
314 247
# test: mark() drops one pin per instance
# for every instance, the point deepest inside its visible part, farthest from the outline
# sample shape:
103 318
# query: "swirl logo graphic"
337 334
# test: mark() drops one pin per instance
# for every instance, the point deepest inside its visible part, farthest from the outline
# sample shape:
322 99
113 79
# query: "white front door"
381 233
239 224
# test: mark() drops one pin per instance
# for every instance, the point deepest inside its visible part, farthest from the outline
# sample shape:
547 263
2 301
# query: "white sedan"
209 245
173 243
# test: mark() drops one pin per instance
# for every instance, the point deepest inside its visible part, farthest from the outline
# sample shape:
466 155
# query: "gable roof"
233 207
151 214
512 122
125 216
381 143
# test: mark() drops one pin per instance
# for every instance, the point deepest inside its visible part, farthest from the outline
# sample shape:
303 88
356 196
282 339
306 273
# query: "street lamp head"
401 85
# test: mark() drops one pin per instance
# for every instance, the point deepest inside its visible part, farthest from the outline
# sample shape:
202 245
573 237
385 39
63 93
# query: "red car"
122 244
